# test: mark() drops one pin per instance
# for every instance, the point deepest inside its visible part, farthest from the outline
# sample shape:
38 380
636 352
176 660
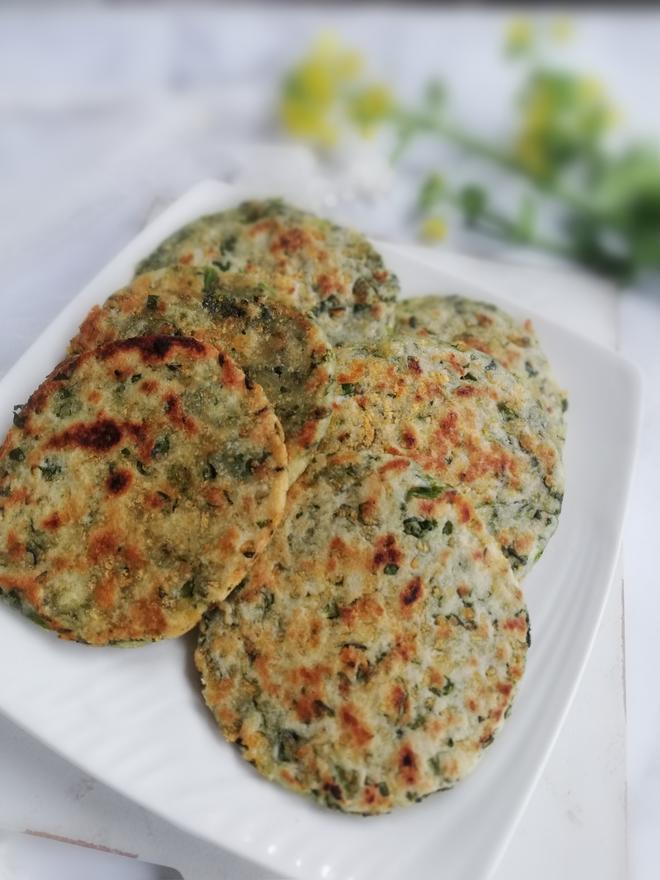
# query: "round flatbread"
276 346
331 271
467 421
468 323
374 650
136 487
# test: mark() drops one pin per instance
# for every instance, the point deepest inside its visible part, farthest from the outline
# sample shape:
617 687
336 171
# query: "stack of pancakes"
346 490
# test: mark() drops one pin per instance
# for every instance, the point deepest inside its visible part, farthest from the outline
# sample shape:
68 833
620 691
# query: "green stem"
411 122
506 230
496 223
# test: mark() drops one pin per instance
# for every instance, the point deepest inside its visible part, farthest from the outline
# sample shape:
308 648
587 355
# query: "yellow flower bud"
519 35
434 229
562 30
591 87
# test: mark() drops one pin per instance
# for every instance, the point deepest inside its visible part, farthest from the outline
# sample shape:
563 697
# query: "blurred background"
527 134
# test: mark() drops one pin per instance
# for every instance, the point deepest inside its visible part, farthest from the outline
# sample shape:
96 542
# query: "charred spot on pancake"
65 370
53 521
99 436
333 789
353 726
103 543
399 700
148 386
408 438
118 482
411 592
387 554
152 347
408 765
290 240
173 407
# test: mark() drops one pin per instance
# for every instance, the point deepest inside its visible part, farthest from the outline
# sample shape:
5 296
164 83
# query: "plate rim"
631 375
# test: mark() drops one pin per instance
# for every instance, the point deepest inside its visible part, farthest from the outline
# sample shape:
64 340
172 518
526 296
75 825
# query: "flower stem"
411 123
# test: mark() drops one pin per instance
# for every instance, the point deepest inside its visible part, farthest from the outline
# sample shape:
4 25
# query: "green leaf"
211 280
447 688
288 742
160 447
526 222
187 589
416 527
435 94
433 490
516 559
49 470
472 200
506 411
322 708
66 404
432 192
331 610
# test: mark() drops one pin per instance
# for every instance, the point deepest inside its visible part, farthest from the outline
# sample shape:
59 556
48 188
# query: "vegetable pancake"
373 651
137 485
344 282
274 344
467 421
468 323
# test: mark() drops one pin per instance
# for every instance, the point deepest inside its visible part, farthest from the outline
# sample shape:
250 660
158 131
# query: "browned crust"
114 527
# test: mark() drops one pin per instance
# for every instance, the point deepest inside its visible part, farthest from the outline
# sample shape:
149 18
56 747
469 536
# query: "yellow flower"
326 44
539 111
370 106
530 153
519 36
313 89
562 30
308 122
326 90
433 229
345 64
591 87
313 81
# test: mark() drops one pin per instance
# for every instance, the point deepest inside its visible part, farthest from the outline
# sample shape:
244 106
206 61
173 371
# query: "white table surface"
106 113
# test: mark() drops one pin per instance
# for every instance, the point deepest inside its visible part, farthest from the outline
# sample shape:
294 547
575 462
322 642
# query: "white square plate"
135 718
